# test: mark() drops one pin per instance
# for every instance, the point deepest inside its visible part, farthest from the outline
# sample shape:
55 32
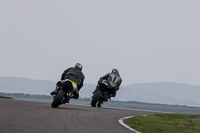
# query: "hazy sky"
146 40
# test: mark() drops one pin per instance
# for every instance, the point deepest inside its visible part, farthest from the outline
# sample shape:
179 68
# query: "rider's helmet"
115 71
79 66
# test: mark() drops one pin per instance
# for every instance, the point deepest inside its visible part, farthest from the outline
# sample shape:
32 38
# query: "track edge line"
121 121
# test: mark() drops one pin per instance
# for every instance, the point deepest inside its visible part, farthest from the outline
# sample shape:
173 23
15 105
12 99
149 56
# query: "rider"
71 79
114 81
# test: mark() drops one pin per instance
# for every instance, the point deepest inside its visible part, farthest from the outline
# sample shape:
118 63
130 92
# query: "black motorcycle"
62 97
101 95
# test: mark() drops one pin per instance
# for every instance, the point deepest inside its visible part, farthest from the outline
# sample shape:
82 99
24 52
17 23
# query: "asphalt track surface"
37 117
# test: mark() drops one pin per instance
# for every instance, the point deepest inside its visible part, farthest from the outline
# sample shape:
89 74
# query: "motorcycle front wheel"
96 99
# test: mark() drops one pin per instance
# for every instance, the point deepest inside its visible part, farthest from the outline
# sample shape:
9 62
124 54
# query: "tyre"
99 104
57 100
95 99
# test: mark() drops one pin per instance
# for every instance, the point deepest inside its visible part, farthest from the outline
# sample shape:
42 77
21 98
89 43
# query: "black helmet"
115 71
79 66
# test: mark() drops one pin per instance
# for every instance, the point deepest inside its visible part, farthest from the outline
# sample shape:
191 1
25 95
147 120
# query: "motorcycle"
61 97
101 95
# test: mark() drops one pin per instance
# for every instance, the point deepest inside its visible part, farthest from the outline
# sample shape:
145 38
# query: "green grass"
6 97
166 123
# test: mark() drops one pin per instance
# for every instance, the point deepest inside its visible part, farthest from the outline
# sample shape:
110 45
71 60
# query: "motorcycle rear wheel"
57 100
99 104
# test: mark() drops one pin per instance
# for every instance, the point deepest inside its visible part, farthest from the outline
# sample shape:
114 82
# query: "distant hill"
25 85
160 92
163 92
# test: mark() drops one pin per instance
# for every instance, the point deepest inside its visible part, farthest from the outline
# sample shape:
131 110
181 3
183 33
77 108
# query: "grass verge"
166 123
6 97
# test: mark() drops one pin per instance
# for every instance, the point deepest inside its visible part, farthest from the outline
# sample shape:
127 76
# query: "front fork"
105 96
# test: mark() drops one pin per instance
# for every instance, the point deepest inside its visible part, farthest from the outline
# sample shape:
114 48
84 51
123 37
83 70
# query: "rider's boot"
109 96
69 94
55 91
75 96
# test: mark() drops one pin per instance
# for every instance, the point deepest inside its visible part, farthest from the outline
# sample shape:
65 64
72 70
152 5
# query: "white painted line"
121 121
